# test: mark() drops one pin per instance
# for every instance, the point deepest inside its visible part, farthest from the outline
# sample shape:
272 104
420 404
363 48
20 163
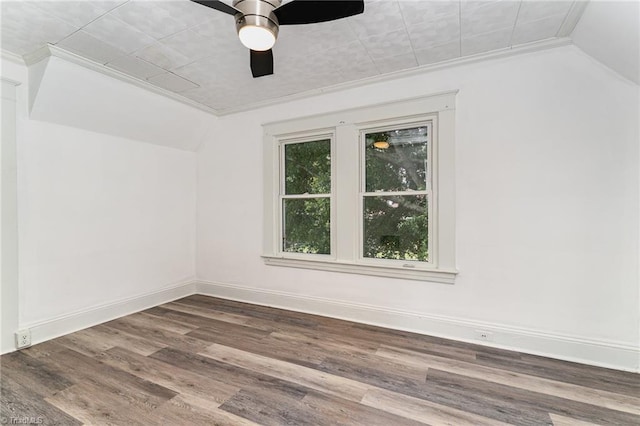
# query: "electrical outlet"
23 338
484 335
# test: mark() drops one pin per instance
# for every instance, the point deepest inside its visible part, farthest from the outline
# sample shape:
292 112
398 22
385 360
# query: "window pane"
396 227
396 160
307 225
307 167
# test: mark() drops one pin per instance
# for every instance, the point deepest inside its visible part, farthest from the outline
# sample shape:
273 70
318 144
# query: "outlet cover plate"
23 339
487 336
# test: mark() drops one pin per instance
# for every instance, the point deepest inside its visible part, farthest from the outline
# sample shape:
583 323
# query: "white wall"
547 211
106 224
101 219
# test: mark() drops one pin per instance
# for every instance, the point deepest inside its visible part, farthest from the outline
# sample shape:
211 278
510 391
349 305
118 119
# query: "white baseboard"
69 323
593 352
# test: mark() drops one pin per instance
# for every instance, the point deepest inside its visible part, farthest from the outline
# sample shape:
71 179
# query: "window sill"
432 275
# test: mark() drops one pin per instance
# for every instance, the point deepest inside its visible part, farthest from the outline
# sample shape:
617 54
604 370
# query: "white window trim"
346 193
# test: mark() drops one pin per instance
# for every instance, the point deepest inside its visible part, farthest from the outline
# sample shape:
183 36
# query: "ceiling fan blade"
309 11
218 5
261 63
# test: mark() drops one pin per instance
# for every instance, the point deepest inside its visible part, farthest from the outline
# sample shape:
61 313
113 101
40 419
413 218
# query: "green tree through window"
396 195
306 202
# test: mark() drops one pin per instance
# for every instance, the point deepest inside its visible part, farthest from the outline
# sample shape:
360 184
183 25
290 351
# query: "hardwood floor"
207 361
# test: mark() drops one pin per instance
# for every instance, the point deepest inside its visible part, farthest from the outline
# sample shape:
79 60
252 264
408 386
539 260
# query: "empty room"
266 212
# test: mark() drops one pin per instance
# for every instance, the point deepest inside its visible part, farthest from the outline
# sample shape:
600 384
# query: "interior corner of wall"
36 76
206 134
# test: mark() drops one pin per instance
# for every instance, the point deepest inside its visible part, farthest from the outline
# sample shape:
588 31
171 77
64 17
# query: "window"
306 196
367 191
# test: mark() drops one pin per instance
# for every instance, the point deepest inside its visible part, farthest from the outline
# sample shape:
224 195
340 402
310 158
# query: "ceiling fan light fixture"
256 23
256 37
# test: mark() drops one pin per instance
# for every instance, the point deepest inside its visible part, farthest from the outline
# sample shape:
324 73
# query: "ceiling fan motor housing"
258 13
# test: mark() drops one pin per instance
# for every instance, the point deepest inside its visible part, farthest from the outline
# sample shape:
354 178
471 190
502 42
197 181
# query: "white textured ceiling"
193 51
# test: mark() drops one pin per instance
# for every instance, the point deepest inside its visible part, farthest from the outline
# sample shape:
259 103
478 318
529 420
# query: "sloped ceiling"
610 32
66 93
192 52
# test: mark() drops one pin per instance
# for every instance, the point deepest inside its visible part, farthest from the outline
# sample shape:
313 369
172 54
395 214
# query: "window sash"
427 192
282 195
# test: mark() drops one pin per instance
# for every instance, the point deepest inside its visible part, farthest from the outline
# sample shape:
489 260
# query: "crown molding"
424 69
11 57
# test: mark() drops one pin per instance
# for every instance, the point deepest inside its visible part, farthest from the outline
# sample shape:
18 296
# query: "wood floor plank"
114 337
567 421
92 372
18 402
147 320
184 411
304 376
424 411
588 376
262 345
282 327
481 398
461 400
426 344
387 365
179 380
34 374
197 321
267 408
325 343
314 350
570 391
523 400
179 306
206 361
226 372
370 373
278 316
331 410
247 337
157 335
266 318
91 405
413 341
42 350
266 312
314 409
218 328
85 342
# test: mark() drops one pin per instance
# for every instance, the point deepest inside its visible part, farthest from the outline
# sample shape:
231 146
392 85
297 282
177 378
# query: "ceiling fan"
257 22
